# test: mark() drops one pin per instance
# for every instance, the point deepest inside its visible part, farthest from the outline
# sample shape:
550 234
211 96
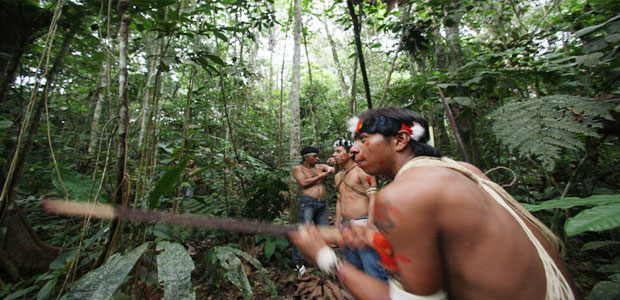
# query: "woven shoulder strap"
342 180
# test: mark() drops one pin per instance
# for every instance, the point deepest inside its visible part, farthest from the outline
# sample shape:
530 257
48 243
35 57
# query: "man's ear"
401 140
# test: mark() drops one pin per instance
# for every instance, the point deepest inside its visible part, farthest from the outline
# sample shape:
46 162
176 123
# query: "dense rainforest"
133 103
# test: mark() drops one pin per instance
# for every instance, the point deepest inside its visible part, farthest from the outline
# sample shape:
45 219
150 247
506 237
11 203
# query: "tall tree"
360 53
101 95
332 44
294 100
121 195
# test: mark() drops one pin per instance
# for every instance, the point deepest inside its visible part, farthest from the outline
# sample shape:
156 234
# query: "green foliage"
265 198
169 181
598 244
605 290
605 215
274 246
174 269
599 218
234 270
543 127
569 202
77 185
228 258
103 281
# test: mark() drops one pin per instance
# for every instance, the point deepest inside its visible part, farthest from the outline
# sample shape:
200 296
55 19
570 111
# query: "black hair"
388 121
346 144
309 149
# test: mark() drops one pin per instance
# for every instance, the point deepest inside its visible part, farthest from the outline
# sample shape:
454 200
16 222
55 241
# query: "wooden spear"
105 211
455 129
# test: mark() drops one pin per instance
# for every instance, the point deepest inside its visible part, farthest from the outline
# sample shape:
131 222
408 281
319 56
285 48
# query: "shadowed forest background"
107 101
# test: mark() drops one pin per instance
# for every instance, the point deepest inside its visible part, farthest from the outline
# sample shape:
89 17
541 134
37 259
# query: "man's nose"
355 148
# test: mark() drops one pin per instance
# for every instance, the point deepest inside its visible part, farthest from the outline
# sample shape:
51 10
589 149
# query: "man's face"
341 155
312 159
191 162
372 153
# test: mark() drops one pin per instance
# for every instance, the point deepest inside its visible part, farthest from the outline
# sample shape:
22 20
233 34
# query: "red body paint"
395 211
385 251
360 156
368 179
401 258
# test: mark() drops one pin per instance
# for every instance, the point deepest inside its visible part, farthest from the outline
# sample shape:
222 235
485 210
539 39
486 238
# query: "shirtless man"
312 203
444 229
356 198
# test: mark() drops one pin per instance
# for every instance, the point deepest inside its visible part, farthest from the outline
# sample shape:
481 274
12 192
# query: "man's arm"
307 182
338 213
369 182
412 230
363 286
327 169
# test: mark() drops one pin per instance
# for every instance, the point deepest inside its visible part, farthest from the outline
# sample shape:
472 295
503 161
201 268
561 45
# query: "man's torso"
317 190
353 205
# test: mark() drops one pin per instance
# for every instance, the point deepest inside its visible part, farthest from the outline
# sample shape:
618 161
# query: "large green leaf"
174 269
269 286
77 184
597 244
46 290
599 218
234 270
168 181
605 290
103 281
543 127
569 202
593 28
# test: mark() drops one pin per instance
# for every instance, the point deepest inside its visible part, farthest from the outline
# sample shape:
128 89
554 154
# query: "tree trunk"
9 76
353 103
295 114
187 114
343 84
465 119
22 150
94 125
360 53
121 191
28 254
148 92
454 13
386 83
311 96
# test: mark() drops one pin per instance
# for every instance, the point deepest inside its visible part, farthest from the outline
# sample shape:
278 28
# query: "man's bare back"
446 206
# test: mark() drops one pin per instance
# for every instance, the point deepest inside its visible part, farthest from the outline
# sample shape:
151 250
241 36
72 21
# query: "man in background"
312 203
356 199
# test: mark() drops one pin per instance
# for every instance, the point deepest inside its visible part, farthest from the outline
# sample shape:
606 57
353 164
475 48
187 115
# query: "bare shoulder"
417 190
297 168
421 181
473 169
359 173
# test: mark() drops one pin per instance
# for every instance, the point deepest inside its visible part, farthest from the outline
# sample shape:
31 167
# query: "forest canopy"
202 107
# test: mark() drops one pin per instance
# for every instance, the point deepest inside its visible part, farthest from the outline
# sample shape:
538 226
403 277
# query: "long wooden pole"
457 136
106 211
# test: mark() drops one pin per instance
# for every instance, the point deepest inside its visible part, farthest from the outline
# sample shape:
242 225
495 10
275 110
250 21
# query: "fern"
543 127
